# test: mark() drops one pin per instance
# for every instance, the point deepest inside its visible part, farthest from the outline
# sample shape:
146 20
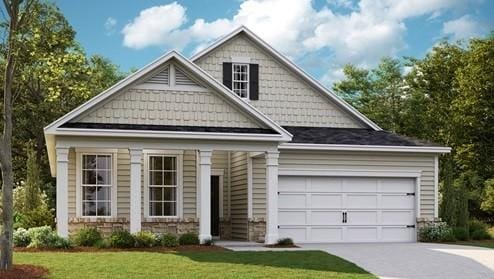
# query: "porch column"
135 189
205 195
62 191
271 197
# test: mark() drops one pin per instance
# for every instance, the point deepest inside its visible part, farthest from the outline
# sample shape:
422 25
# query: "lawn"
480 243
217 264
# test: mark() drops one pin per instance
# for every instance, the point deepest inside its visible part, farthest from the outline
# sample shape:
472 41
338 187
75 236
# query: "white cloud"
155 26
462 28
110 25
370 30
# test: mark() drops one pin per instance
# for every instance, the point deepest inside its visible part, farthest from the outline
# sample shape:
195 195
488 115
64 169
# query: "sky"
321 36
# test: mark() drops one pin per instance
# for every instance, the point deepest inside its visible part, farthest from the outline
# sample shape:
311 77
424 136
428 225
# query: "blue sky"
320 35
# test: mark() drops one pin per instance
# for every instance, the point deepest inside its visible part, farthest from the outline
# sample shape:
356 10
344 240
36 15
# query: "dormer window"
240 79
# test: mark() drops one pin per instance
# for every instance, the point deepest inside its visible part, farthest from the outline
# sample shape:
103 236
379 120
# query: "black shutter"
254 81
227 75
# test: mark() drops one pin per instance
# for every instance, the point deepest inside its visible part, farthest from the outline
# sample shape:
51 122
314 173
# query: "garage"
347 209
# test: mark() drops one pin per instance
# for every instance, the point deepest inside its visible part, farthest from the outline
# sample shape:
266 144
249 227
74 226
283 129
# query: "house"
237 142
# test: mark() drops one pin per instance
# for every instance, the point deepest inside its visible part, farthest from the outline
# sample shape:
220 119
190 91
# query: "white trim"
228 95
418 188
247 73
350 147
221 174
205 199
113 153
62 220
272 175
349 172
291 66
180 175
436 186
135 189
240 59
249 188
172 75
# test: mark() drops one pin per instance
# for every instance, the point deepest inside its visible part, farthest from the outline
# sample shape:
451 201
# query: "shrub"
87 237
208 242
284 241
103 243
122 239
169 240
45 237
144 239
480 235
436 232
21 238
476 225
461 234
188 239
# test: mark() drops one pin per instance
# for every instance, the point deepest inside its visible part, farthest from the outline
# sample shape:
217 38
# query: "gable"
169 96
283 95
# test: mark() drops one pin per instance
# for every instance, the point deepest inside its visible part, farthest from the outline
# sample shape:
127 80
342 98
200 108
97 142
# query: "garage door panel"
292 200
361 201
397 185
297 234
292 218
326 200
397 234
325 184
326 217
397 202
365 185
327 234
293 183
397 217
362 217
361 234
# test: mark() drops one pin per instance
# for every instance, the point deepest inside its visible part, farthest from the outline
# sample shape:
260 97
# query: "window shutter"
254 81
227 75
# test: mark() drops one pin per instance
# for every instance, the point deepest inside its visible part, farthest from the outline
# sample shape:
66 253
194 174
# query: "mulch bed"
24 271
281 246
185 248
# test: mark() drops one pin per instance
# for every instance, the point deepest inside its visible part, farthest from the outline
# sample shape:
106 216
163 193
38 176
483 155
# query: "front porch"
217 188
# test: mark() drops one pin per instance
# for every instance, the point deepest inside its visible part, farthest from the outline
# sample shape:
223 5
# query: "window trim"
179 203
78 185
247 95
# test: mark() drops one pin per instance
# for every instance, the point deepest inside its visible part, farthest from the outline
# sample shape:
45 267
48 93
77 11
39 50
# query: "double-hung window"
240 79
162 185
96 185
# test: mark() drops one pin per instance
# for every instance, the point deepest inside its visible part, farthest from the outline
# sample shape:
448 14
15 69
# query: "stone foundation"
423 222
108 225
257 229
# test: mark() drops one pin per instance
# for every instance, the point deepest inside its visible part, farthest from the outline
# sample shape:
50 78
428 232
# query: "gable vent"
160 78
182 79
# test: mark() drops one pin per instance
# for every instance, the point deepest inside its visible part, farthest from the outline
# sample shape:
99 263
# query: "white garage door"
336 209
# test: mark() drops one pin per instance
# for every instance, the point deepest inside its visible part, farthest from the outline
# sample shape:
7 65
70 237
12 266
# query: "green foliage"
487 204
188 239
21 238
436 232
122 239
169 240
45 237
103 243
480 235
478 230
208 242
284 241
455 199
461 233
87 237
144 239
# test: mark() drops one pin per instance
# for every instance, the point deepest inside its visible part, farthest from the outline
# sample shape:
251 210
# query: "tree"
488 196
18 12
33 186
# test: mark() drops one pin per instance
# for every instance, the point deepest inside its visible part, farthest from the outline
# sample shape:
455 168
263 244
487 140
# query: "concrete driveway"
416 260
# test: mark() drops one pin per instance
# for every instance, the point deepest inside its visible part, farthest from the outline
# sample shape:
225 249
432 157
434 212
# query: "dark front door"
215 205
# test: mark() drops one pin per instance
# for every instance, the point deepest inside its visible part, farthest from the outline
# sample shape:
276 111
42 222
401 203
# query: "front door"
215 206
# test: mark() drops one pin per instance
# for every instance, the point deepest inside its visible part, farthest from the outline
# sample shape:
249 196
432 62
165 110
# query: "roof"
351 136
174 128
292 66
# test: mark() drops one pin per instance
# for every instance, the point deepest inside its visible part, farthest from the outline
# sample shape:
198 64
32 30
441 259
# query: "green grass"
480 243
297 264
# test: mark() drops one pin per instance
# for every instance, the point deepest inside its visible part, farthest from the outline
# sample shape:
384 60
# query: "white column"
205 197
62 191
135 189
271 197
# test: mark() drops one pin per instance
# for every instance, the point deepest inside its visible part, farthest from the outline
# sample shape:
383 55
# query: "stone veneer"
423 222
225 229
257 229
156 225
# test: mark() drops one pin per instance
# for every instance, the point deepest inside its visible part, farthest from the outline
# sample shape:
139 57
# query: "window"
162 186
96 184
240 80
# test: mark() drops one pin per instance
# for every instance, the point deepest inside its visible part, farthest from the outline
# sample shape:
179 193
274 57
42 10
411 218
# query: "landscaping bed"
183 248
24 271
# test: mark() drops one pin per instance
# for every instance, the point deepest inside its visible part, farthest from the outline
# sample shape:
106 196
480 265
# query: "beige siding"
283 95
72 181
259 188
239 195
123 183
168 107
219 161
369 161
189 184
